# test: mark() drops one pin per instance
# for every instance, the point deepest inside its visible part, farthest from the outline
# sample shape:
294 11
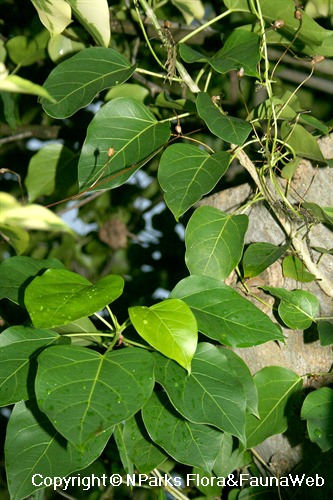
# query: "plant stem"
203 26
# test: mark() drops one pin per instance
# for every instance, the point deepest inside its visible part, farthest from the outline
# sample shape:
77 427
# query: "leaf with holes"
214 242
186 173
170 327
76 81
59 296
84 393
132 131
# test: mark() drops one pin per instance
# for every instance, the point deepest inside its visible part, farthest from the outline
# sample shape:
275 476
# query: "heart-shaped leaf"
228 128
224 315
19 348
84 393
33 446
74 83
188 443
134 134
170 327
297 309
59 296
214 242
276 386
186 173
212 394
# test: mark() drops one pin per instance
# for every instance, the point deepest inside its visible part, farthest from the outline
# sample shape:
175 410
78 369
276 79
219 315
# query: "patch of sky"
79 226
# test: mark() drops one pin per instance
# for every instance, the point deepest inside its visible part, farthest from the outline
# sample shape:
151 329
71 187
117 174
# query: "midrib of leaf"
262 421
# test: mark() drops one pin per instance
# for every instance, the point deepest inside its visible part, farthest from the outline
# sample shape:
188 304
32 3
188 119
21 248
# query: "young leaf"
59 296
85 394
275 385
224 315
19 348
17 84
131 130
18 238
18 272
241 50
141 449
294 268
186 173
33 446
75 82
212 394
228 128
170 327
317 410
325 330
188 443
94 15
214 242
297 309
55 16
259 256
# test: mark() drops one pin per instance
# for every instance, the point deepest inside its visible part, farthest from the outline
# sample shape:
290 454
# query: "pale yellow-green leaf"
18 238
61 46
28 217
55 15
191 9
95 17
14 83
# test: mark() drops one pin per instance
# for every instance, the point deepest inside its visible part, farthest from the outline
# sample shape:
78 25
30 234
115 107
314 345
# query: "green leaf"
230 129
42 181
122 448
294 268
214 242
33 446
317 410
188 443
186 173
132 90
301 141
212 394
230 457
55 16
325 329
324 214
189 55
75 82
191 9
78 330
297 309
18 272
19 348
170 327
84 393
222 314
59 296
241 50
18 238
14 83
259 256
94 15
141 449
276 386
131 130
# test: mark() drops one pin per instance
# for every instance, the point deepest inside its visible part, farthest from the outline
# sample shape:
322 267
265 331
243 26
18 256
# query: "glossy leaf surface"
212 394
222 314
170 327
214 242
276 386
75 82
84 393
59 296
188 443
259 256
186 173
131 130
